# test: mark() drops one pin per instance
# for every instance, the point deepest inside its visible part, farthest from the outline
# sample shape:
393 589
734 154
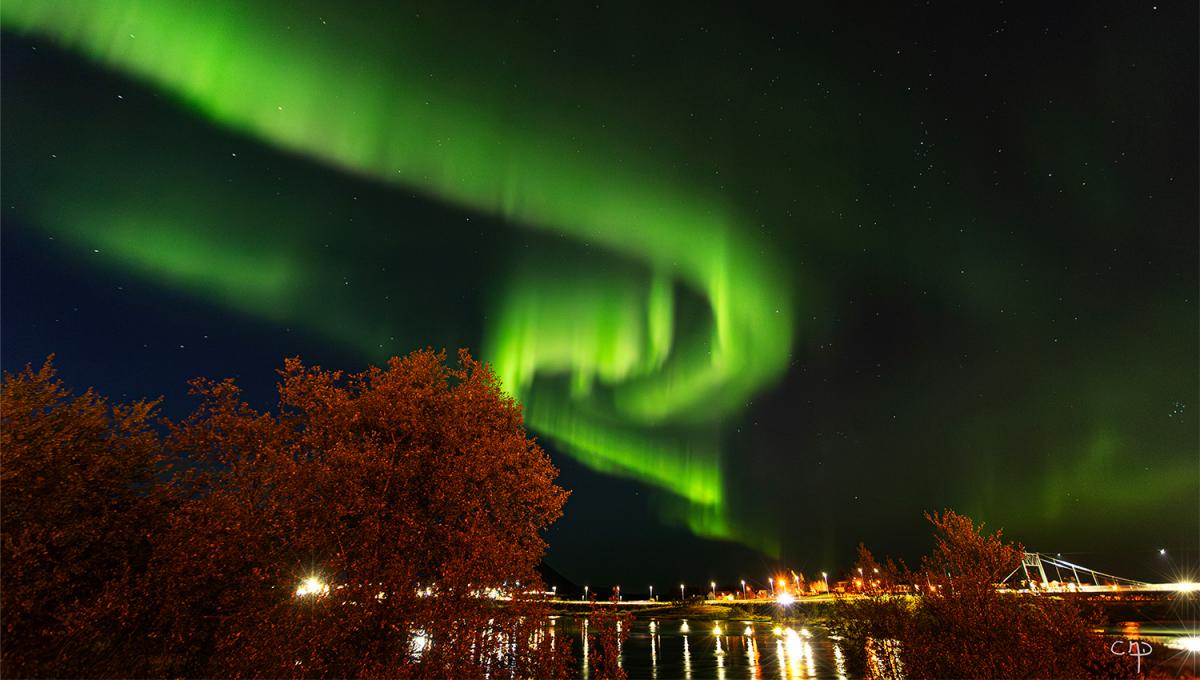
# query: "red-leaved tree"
78 505
384 523
956 622
607 630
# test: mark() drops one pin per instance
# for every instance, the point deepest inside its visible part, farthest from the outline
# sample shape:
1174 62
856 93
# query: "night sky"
769 281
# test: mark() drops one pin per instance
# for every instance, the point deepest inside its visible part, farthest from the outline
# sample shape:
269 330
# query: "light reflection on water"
883 658
585 671
733 649
1174 645
839 662
687 658
672 648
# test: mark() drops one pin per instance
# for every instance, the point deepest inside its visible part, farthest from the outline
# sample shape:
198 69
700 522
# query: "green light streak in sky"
602 362
228 275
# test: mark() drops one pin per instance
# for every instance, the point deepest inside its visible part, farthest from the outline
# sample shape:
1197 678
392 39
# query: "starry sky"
768 281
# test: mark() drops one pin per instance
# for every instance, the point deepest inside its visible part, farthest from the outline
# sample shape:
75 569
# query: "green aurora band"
604 363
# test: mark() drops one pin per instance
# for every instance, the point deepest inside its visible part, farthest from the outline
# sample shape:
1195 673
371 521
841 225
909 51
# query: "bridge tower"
1034 561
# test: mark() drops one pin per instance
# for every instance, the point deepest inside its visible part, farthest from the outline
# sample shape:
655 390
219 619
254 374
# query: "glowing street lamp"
651 592
311 586
743 589
585 589
713 584
1162 551
825 576
681 597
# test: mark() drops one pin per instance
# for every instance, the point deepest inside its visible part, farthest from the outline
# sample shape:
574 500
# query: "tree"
962 625
874 578
607 630
413 493
380 523
77 505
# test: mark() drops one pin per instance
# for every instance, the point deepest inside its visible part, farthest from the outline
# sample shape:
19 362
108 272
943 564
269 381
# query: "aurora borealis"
599 331
747 271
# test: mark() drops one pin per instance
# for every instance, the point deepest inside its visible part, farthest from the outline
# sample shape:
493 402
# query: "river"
682 649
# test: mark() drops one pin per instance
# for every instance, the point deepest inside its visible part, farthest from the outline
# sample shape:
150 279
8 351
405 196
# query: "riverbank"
1142 607
803 611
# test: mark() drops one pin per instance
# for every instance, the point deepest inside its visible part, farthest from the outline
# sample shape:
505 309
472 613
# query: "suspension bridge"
1070 577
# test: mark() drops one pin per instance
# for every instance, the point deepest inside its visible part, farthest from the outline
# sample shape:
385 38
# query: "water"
1173 646
670 649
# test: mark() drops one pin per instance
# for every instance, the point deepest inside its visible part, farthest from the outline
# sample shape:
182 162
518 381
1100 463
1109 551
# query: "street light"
554 589
826 577
651 592
618 593
1162 551
743 589
585 589
312 586
681 597
713 584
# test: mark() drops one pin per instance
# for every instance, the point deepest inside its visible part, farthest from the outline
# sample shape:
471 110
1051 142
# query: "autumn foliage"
411 495
955 622
607 630
76 516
